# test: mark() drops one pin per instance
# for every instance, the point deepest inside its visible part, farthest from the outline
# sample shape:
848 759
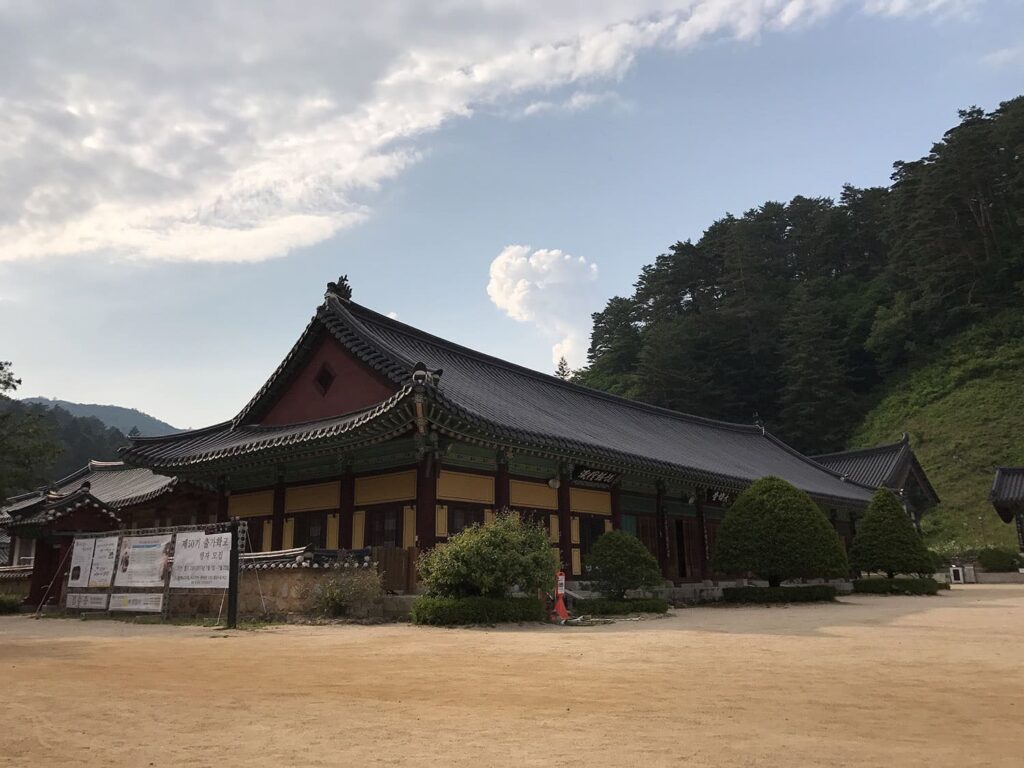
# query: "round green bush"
490 560
886 541
351 591
777 532
620 562
995 559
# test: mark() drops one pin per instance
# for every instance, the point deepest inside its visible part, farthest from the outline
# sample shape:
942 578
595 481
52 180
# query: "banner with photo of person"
81 562
143 561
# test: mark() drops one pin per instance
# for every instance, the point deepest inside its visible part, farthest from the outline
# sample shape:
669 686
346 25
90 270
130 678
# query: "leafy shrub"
886 540
619 607
450 611
999 560
775 531
10 603
349 592
490 560
620 562
896 586
807 593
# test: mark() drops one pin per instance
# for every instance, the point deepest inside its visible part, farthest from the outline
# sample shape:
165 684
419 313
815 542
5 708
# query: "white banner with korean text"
143 561
201 561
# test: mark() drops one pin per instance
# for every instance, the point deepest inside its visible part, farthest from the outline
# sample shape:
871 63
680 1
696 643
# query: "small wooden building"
374 433
892 466
101 496
1007 496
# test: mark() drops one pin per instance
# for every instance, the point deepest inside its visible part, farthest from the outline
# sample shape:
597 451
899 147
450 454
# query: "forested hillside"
116 416
807 314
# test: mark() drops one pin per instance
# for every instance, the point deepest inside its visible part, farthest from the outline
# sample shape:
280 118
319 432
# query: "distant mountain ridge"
116 416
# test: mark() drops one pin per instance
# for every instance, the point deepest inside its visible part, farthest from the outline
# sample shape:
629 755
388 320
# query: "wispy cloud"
234 131
1005 58
579 101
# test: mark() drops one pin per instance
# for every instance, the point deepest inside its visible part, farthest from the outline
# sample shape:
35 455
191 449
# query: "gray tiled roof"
52 506
111 482
875 467
472 394
1007 494
883 466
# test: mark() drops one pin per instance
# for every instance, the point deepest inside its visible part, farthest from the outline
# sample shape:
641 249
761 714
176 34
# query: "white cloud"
232 131
1005 58
578 102
549 289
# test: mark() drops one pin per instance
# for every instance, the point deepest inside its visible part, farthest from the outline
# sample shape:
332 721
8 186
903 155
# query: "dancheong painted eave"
468 395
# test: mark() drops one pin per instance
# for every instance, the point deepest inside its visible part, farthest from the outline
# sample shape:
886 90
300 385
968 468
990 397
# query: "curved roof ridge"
810 460
538 375
861 451
175 436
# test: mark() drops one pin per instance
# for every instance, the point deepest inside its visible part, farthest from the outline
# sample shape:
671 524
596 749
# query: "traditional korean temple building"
1007 496
374 433
891 466
101 496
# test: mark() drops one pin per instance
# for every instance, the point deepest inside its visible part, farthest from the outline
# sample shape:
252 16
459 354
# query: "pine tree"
563 371
28 446
886 540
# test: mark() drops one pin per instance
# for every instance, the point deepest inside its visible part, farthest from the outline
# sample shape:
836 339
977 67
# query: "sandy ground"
873 681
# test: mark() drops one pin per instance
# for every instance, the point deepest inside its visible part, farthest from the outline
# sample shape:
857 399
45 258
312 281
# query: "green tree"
27 443
489 560
886 541
620 562
563 371
777 532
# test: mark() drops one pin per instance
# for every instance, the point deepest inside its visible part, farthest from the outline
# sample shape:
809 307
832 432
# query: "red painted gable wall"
355 387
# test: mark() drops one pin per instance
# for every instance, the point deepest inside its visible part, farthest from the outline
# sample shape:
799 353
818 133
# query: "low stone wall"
15 580
994 577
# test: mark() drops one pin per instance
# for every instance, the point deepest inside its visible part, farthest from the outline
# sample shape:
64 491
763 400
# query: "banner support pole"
233 576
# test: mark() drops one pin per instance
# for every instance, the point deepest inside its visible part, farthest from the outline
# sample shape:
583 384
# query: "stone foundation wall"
18 585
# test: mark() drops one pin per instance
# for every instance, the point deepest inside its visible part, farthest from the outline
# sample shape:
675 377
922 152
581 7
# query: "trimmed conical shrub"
886 540
775 531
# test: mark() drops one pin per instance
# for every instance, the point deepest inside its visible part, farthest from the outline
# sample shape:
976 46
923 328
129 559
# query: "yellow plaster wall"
333 530
528 495
288 539
409 527
255 504
590 501
312 498
381 489
462 486
358 528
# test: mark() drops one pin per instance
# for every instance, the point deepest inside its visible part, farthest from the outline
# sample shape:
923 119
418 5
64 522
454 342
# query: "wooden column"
277 525
702 526
615 497
426 502
501 485
222 503
1019 519
565 522
661 520
347 507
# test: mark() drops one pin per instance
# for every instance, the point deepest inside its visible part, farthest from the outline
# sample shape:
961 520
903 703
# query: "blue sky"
491 175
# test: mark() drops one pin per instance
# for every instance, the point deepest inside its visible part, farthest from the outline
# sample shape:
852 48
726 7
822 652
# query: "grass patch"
10 603
906 586
455 611
808 593
601 607
962 411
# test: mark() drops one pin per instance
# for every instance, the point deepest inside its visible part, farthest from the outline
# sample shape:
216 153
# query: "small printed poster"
87 601
104 558
143 561
201 560
139 602
81 562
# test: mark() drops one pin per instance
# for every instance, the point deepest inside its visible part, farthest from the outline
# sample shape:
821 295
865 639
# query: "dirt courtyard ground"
870 681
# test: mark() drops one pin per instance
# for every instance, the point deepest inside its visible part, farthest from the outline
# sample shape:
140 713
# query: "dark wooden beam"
565 521
277 525
702 526
615 493
426 502
501 482
662 530
346 509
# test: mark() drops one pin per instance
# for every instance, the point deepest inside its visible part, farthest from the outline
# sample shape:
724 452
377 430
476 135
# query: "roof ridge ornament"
341 289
